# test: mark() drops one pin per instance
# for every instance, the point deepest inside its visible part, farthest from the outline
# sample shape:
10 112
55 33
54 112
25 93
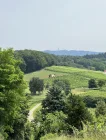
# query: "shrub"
100 108
92 83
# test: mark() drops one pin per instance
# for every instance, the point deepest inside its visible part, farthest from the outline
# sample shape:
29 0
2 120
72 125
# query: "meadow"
35 99
78 79
42 74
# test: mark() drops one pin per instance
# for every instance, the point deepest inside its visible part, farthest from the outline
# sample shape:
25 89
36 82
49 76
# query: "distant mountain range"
71 52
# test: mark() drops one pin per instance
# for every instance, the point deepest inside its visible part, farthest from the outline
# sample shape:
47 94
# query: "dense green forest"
34 60
93 62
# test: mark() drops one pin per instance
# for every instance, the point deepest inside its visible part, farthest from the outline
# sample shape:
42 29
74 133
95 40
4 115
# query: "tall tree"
55 100
13 107
77 112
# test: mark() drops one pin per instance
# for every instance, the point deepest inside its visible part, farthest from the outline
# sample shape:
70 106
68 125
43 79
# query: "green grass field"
42 74
78 79
35 99
90 92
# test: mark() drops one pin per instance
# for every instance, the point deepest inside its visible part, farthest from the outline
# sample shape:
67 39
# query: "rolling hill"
71 52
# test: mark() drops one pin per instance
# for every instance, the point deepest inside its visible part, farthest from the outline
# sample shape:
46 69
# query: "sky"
53 24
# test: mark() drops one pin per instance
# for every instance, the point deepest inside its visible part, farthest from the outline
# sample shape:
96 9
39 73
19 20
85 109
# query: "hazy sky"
53 24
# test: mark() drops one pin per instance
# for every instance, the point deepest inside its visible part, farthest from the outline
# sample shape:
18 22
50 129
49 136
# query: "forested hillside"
93 62
35 60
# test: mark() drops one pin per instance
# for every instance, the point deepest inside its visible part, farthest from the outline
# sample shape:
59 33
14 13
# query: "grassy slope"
78 79
35 99
42 74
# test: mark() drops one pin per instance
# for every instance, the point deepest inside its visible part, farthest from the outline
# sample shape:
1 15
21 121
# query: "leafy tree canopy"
35 85
13 106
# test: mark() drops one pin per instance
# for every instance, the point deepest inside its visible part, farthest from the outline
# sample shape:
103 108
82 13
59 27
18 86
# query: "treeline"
93 62
35 60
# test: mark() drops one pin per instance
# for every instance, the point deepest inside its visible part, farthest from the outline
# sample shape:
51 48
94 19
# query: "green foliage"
64 84
13 106
101 83
100 108
49 123
28 131
77 112
54 101
48 136
34 60
91 101
36 84
92 83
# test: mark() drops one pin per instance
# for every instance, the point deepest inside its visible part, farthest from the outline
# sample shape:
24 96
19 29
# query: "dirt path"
30 115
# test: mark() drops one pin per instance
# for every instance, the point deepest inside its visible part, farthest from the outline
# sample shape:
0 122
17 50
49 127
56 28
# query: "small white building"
104 71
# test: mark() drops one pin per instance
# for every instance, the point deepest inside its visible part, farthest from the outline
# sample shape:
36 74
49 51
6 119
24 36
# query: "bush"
100 108
92 83
49 123
101 83
92 101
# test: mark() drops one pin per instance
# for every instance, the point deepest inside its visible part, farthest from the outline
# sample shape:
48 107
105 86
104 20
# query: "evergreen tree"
55 100
77 112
